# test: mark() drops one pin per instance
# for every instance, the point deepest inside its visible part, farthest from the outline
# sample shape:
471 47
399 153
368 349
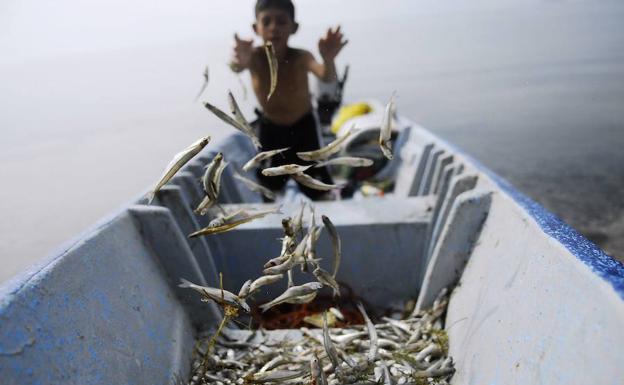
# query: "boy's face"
275 25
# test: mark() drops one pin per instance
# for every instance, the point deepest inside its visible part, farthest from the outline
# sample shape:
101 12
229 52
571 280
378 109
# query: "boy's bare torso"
291 99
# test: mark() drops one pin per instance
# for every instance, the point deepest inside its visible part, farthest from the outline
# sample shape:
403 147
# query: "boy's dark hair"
286 5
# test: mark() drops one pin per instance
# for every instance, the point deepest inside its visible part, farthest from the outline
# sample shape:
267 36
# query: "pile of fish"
408 351
394 351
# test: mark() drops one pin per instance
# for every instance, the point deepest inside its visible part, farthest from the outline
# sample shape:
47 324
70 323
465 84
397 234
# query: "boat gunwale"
600 263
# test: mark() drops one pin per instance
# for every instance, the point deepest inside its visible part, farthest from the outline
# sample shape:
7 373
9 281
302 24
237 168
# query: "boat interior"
531 299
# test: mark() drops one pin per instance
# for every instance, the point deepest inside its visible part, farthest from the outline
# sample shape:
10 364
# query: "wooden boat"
533 302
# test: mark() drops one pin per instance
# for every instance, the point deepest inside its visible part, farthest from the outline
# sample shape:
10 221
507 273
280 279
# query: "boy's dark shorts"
299 136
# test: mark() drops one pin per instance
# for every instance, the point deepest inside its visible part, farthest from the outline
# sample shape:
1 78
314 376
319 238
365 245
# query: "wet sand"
533 91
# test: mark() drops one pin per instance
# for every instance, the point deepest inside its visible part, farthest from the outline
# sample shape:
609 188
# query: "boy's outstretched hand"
331 44
241 56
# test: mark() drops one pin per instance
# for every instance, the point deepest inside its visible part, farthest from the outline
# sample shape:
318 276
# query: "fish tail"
266 306
184 283
256 143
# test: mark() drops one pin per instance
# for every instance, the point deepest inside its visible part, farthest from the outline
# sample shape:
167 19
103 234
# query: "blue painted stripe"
603 265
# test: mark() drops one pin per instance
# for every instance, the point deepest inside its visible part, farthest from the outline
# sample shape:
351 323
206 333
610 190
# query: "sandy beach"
96 99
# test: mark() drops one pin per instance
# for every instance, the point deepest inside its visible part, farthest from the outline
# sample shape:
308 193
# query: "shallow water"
95 99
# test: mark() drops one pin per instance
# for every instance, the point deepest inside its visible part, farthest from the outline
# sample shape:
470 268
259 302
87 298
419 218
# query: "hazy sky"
32 29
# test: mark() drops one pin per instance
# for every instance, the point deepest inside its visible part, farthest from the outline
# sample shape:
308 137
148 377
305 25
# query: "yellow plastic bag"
347 112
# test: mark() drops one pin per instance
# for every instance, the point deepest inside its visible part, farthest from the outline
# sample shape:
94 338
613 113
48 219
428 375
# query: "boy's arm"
325 71
329 47
242 54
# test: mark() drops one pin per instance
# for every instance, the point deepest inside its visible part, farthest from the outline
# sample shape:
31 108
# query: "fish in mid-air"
229 226
262 156
335 239
206 79
220 296
232 122
350 161
327 151
240 119
312 183
211 182
295 291
385 133
270 53
179 160
285 169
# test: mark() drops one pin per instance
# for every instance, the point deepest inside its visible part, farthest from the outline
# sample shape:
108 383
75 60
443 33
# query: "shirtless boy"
286 119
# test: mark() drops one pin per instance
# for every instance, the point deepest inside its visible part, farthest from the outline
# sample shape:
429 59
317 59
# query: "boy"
286 119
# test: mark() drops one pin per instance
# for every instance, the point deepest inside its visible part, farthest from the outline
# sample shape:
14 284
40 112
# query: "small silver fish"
262 156
244 290
388 380
327 280
210 183
242 122
274 376
291 281
216 182
295 291
335 238
433 373
372 333
307 298
232 122
179 160
224 117
317 375
385 132
315 184
272 59
337 313
345 339
288 246
223 219
325 152
285 169
287 225
275 362
218 295
298 221
229 226
431 350
253 186
210 172
310 246
298 254
281 268
330 349
278 260
263 281
206 79
350 161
